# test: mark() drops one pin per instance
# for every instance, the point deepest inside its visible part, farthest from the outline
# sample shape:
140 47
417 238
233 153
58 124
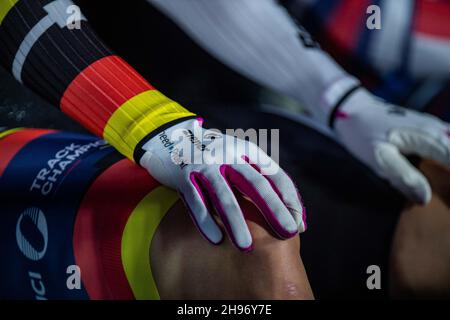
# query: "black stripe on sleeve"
17 24
58 57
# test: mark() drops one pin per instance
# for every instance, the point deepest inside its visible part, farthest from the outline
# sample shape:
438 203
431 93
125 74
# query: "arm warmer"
259 39
49 47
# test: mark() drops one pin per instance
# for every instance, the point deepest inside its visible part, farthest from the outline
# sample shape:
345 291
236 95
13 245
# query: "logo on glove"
209 146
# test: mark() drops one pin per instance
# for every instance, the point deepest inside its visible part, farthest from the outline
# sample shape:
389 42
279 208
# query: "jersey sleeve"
49 46
260 40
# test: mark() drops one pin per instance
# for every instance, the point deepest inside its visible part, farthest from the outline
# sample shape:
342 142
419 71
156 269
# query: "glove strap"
339 102
139 151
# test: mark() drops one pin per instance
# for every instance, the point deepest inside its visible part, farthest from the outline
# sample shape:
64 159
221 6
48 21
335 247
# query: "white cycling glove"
259 39
380 134
207 168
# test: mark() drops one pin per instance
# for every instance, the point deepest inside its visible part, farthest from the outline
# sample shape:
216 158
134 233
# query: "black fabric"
58 55
160 51
17 24
20 107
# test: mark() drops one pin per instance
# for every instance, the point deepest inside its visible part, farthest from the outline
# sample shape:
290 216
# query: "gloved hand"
380 134
207 167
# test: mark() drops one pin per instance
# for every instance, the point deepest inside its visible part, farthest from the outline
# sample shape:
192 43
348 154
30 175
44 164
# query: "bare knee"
419 267
274 269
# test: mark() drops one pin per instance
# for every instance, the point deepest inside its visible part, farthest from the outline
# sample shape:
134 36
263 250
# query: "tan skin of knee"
186 266
420 257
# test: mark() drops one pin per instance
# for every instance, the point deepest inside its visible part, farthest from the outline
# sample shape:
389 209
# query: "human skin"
186 266
420 256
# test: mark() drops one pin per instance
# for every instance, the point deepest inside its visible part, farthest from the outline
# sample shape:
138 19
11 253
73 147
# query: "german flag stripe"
144 113
99 90
114 101
73 69
57 59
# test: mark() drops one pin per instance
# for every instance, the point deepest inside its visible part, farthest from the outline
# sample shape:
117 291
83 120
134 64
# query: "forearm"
54 52
259 39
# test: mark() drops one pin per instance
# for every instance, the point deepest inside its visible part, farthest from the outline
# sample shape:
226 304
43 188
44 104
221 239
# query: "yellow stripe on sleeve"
5 7
10 131
136 241
138 117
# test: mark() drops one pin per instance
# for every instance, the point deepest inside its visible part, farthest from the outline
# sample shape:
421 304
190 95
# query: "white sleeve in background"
260 40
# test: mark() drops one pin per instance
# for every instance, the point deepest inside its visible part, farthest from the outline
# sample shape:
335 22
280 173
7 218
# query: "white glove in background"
381 134
260 40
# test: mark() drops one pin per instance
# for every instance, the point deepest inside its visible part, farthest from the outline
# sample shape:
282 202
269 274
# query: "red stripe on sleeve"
99 227
99 90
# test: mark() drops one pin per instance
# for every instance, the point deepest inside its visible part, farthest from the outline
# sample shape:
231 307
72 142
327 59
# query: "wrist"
335 96
152 141
360 114
358 101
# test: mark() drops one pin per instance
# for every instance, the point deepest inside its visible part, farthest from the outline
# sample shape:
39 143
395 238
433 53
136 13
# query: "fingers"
285 188
402 174
287 191
227 207
423 143
251 183
196 205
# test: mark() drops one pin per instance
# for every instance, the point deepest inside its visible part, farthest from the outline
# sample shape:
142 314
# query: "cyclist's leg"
420 258
185 266
102 215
